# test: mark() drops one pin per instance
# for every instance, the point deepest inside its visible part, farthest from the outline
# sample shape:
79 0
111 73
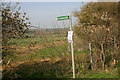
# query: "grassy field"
48 57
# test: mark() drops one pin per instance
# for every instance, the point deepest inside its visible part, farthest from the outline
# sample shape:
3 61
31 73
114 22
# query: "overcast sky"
44 13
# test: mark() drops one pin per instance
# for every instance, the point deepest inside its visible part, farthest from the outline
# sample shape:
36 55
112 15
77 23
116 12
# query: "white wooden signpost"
70 38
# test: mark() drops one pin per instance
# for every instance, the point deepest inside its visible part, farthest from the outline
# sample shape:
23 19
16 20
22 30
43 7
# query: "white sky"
61 0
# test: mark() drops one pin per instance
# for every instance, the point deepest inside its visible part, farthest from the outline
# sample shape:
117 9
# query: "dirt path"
16 64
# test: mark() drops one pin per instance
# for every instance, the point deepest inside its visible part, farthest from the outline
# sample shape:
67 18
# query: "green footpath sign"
63 18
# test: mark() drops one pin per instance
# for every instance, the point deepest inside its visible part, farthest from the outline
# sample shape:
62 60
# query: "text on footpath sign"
63 18
70 34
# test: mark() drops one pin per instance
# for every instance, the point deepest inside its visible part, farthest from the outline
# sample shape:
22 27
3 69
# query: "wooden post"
103 56
91 58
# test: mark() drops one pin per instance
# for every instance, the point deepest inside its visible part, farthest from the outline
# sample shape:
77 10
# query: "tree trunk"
115 45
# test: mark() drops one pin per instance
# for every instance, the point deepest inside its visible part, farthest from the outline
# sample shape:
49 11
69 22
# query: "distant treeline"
49 30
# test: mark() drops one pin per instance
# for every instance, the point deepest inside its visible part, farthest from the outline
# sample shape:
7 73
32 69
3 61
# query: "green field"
48 57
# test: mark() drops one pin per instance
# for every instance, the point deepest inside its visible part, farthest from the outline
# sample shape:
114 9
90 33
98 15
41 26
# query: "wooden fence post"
91 57
103 55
